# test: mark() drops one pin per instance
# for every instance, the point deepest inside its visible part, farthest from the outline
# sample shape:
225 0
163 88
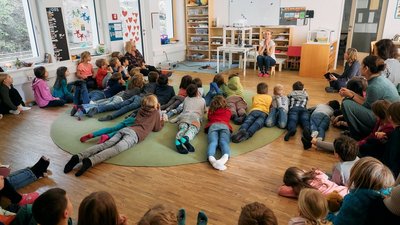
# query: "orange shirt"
85 70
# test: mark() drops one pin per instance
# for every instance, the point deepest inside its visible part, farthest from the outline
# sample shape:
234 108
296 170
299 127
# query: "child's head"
192 90
158 215
394 113
137 80
298 86
150 101
185 81
298 178
124 61
153 76
219 80
313 206
385 49
134 71
52 207
114 62
162 80
62 72
262 88
116 76
346 148
380 109
98 208
257 214
357 84
334 104
101 63
218 102
278 89
116 54
197 81
370 173
85 57
40 72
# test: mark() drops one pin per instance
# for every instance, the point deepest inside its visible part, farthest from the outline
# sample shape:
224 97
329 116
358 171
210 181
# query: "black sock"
71 164
10 192
106 118
40 167
186 143
180 148
86 164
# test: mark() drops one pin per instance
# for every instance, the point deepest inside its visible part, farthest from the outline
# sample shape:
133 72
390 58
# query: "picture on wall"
131 24
397 10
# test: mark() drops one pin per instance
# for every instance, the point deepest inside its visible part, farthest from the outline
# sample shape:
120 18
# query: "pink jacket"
41 92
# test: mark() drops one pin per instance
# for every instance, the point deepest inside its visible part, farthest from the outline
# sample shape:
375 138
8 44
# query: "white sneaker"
24 108
1 116
92 102
15 112
314 134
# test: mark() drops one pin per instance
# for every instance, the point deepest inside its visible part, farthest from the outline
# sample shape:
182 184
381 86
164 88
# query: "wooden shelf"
317 59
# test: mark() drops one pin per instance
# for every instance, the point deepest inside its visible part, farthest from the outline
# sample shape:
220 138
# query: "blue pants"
319 122
218 135
81 94
55 103
21 178
277 116
97 95
67 98
122 107
297 115
253 122
111 131
264 62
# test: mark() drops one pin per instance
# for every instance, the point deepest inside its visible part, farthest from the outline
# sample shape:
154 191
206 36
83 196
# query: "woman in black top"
136 59
10 100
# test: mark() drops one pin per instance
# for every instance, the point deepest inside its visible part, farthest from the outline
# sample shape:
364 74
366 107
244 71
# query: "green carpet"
158 149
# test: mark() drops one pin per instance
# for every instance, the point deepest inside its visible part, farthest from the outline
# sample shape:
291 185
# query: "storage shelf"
197 6
198 34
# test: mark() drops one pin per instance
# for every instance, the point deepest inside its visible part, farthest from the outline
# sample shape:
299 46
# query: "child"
256 119
385 209
234 96
159 214
197 81
163 91
124 64
313 208
10 99
215 88
219 132
296 179
114 85
279 109
178 99
102 71
391 155
85 70
368 177
320 119
150 87
60 89
116 66
297 110
189 120
257 214
147 120
41 91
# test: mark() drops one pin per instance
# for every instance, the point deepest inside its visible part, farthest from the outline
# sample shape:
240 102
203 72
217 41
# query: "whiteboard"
257 12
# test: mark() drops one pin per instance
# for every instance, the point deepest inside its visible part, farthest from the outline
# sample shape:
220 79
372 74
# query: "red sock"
103 138
86 137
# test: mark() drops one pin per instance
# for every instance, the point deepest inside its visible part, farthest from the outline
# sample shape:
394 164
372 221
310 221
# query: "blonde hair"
218 102
352 54
277 88
158 215
129 45
257 213
313 206
3 76
84 55
149 101
134 71
370 173
136 80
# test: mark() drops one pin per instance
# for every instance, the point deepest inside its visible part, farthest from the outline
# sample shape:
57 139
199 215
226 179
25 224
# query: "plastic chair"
293 61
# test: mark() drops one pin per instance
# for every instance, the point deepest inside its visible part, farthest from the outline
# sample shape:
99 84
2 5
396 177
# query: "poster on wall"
57 33
397 10
115 31
292 16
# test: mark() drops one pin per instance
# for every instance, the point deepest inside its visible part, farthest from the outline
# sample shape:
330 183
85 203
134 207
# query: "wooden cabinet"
317 59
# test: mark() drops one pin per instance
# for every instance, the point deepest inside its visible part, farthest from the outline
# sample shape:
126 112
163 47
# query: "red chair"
293 61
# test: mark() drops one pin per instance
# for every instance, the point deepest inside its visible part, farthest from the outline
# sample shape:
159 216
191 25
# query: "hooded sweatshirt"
233 87
41 92
147 120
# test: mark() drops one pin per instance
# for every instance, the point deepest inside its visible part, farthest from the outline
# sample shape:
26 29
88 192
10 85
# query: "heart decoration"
135 20
133 33
137 33
130 19
136 39
137 27
126 34
124 13
129 28
135 14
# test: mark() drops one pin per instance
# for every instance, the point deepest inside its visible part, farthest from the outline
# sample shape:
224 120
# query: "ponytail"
374 63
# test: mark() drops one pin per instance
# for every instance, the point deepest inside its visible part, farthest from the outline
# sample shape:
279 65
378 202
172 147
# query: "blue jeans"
319 122
276 116
96 95
214 90
81 94
297 115
122 107
21 178
253 122
264 62
218 135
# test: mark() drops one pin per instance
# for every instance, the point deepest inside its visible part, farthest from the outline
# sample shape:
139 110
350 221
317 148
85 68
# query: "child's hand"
380 135
122 220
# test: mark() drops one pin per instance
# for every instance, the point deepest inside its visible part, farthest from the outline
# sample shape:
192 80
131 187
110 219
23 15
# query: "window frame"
173 5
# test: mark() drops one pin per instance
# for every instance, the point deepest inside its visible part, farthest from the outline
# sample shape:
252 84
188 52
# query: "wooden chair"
293 61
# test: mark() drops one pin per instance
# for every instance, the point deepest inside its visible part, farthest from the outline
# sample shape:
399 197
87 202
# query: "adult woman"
351 69
266 54
136 59
357 109
386 50
10 99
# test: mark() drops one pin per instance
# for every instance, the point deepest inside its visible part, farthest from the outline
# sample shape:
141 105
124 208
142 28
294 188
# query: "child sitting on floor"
256 119
233 91
189 121
219 132
147 120
150 87
41 91
102 71
60 89
178 99
279 109
257 214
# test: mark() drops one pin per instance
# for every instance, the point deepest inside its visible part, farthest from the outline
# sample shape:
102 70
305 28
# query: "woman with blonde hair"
136 59
369 178
313 208
351 69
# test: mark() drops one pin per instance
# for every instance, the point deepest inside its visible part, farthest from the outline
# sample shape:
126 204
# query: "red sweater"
101 73
379 127
219 116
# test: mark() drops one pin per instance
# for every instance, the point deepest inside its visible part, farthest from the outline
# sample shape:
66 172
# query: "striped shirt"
298 98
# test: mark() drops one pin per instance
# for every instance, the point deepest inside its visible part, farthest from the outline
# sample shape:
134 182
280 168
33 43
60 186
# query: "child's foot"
180 148
91 112
239 135
224 159
181 217
260 74
71 164
24 108
185 141
244 137
218 165
86 164
74 110
288 135
86 137
1 116
266 74
103 138
106 118
314 134
306 139
28 198
14 112
40 167
79 114
202 218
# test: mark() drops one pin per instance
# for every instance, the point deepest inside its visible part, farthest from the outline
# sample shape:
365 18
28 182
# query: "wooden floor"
254 176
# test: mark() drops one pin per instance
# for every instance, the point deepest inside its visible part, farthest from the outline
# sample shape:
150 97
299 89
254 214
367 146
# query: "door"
367 19
132 23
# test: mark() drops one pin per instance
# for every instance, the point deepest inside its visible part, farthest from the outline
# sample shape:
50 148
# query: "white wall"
392 25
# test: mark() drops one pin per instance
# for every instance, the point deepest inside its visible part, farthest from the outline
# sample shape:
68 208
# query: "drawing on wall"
397 10
130 19
292 16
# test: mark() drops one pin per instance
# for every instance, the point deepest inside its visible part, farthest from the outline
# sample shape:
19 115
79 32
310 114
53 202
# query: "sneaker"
91 112
266 75
24 108
260 74
74 110
79 114
28 198
15 112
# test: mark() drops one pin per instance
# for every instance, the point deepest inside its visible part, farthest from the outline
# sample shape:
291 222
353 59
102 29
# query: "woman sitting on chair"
136 59
266 54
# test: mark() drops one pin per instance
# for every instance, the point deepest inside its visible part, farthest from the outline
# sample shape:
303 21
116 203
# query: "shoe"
24 108
74 110
260 74
79 114
181 217
86 164
238 136
266 75
244 137
106 118
92 112
202 218
71 164
331 90
288 135
28 198
15 112
306 139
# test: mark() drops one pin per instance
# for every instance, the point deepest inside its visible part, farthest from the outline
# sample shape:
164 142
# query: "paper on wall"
360 17
371 17
362 4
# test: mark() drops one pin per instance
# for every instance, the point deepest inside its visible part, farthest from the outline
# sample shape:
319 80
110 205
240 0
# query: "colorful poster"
397 10
79 21
131 25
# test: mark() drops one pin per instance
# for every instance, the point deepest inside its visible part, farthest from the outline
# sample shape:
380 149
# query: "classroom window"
166 18
81 23
17 39
131 22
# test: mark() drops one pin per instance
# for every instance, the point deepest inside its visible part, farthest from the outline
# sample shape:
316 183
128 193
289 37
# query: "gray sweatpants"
121 141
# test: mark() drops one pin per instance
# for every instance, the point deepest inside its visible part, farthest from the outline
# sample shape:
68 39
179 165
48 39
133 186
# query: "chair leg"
272 70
